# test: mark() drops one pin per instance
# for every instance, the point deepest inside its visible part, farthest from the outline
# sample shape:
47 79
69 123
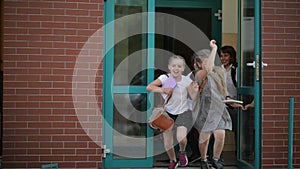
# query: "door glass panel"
247 131
246 118
130 60
129 126
129 41
247 42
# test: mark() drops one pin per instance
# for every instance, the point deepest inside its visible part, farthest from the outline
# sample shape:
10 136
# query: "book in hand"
232 101
169 83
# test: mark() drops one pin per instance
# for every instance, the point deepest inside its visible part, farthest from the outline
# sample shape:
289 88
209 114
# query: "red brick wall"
44 121
281 50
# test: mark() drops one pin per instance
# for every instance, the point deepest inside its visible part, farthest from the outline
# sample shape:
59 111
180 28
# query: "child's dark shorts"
184 119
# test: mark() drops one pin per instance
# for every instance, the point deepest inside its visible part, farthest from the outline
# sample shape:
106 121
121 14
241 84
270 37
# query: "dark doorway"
202 18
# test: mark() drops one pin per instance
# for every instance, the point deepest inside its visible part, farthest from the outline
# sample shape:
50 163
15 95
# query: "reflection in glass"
139 101
129 127
247 43
129 115
129 39
246 119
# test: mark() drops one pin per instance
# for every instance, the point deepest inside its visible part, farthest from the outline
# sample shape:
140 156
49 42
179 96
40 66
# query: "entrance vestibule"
144 32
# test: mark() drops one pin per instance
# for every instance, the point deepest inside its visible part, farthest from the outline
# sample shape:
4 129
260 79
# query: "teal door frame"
257 84
108 72
110 89
256 90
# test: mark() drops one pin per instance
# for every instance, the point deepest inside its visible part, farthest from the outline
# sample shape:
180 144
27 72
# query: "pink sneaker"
173 165
183 160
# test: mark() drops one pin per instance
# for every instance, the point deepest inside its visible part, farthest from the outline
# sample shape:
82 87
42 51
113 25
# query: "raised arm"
210 63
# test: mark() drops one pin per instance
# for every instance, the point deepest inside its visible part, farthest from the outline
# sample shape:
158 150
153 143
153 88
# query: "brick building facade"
42 40
280 49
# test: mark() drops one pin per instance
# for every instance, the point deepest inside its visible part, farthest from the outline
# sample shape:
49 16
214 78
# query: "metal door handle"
105 151
253 64
264 64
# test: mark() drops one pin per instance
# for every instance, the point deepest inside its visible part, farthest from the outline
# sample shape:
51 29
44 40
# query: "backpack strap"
233 75
201 86
169 96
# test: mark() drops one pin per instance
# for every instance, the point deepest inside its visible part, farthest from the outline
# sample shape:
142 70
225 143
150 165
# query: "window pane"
247 131
247 43
129 41
247 80
130 126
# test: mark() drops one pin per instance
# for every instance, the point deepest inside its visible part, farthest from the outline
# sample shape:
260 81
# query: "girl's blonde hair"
177 57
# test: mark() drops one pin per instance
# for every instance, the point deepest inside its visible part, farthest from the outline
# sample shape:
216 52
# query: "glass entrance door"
249 138
135 38
127 139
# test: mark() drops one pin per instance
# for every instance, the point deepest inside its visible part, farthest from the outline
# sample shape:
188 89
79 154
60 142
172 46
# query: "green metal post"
291 127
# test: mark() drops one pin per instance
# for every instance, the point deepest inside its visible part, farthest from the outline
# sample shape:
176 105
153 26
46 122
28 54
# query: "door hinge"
105 151
219 14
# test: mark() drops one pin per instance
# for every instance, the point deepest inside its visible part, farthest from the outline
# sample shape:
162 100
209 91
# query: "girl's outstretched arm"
154 86
210 63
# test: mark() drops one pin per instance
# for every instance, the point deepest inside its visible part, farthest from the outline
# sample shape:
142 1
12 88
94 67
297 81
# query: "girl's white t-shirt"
178 103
